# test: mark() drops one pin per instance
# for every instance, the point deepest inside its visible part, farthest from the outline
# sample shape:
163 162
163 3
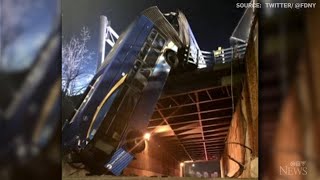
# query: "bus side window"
152 58
144 51
155 51
159 42
151 36
154 41
151 51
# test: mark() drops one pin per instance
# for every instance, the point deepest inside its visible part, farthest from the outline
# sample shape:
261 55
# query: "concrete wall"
233 149
153 161
243 130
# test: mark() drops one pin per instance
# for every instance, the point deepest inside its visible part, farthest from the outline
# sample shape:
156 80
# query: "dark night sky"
212 22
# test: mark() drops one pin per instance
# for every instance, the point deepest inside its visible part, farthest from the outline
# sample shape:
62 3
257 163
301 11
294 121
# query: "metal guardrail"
225 55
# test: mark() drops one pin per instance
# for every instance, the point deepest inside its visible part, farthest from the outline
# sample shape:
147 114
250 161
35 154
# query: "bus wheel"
171 58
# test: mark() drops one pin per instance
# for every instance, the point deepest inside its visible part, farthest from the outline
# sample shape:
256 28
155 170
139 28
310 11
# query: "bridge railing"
225 55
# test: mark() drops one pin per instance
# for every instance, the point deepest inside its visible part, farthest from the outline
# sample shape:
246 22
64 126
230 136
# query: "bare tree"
75 58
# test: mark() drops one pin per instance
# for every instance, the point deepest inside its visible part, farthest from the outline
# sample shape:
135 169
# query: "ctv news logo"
295 168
